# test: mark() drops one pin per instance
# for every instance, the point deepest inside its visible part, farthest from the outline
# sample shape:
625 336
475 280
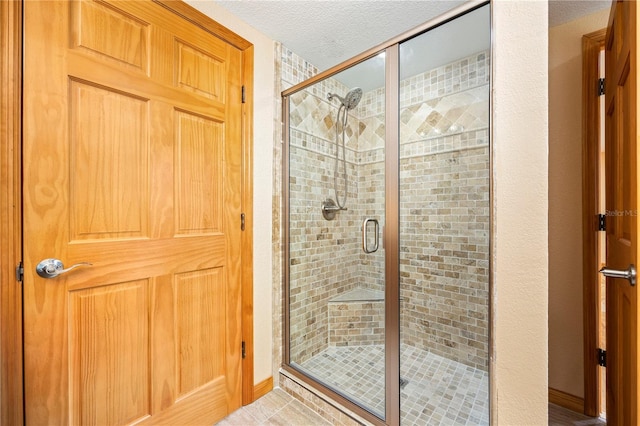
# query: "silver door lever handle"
51 268
627 274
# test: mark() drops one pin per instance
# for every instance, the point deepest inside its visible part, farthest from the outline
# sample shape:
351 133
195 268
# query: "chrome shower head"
350 100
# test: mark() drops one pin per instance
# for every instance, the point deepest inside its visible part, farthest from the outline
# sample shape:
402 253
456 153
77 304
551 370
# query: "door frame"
592 44
11 345
11 401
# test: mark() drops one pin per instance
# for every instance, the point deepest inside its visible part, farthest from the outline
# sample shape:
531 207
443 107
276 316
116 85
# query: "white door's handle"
627 274
51 268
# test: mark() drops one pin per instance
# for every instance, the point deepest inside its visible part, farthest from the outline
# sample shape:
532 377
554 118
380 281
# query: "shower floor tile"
434 390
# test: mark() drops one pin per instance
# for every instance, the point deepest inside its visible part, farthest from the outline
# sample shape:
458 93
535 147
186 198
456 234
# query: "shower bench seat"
356 318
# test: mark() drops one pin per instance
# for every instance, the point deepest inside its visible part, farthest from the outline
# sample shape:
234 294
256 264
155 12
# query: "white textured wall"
520 256
566 358
263 116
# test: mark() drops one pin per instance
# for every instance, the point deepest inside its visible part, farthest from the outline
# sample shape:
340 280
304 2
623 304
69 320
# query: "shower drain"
403 382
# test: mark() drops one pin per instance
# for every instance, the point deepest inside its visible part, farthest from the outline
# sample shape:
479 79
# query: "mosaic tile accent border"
451 114
469 72
319 146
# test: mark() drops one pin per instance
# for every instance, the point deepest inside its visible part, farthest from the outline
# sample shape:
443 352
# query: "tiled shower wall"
444 207
444 210
324 255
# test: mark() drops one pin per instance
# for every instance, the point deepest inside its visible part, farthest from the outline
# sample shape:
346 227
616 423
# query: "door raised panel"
109 350
110 33
199 150
200 327
109 150
200 72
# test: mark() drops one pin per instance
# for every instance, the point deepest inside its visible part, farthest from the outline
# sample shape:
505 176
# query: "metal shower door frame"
391 230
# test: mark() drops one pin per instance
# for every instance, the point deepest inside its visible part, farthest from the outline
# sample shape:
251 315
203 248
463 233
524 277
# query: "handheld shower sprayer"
347 103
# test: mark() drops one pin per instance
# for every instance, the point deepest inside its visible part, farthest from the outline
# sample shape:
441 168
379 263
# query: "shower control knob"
330 208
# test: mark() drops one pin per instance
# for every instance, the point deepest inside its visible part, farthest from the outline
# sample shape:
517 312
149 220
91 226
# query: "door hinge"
602 222
243 94
244 352
19 272
602 357
242 221
600 86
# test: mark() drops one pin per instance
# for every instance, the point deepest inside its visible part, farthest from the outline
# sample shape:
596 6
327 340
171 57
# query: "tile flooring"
275 408
434 390
280 408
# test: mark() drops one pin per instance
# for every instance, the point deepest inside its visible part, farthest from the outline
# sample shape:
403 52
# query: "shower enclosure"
387 212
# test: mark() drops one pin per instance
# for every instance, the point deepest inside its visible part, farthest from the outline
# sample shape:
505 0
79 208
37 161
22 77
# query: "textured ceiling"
562 11
326 33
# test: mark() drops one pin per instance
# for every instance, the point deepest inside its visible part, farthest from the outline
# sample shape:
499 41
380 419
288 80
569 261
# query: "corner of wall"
520 206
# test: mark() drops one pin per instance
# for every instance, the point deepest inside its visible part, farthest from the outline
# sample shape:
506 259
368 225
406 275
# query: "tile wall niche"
444 208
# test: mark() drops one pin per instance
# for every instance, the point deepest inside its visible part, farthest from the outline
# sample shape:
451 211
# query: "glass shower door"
397 145
336 212
444 223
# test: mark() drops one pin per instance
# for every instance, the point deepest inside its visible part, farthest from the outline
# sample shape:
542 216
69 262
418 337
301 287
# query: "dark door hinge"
243 95
602 357
242 221
600 86
19 272
244 352
602 222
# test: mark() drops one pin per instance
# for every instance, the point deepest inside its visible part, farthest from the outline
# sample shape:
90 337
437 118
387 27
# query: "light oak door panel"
198 174
201 324
108 162
109 353
621 138
132 153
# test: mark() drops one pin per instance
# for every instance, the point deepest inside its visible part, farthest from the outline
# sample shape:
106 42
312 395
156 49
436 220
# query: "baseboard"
566 400
262 388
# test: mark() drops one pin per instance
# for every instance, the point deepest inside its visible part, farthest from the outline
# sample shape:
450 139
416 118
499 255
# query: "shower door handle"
365 233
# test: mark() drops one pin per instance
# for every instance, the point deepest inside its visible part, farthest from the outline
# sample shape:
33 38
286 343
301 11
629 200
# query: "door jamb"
592 44
11 400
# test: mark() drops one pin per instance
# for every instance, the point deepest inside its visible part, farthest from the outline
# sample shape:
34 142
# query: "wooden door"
132 162
622 211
